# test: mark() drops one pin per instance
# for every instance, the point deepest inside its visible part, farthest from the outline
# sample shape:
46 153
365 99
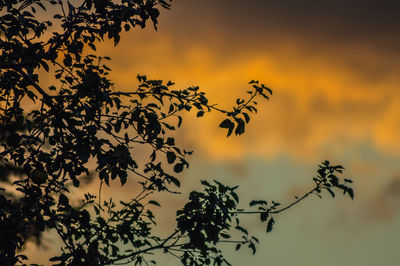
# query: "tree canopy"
82 119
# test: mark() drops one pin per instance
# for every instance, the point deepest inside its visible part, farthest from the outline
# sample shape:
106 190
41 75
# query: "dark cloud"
353 34
373 23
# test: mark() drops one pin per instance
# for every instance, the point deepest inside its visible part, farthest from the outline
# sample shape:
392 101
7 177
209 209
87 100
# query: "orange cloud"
319 99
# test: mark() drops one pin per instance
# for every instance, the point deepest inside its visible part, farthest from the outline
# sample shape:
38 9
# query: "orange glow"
336 84
318 100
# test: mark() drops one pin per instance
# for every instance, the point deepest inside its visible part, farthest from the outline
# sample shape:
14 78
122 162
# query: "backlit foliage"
82 117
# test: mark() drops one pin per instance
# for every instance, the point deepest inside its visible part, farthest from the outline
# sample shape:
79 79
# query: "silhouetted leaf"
178 167
153 202
63 200
171 157
270 225
123 176
224 235
175 181
331 192
226 124
351 192
246 117
264 216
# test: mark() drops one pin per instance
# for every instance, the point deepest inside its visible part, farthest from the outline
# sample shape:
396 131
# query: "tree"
83 118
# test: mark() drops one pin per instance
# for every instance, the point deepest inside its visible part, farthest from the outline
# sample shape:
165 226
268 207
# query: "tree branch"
46 97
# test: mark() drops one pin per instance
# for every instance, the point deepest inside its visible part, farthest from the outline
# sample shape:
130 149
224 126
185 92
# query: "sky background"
334 67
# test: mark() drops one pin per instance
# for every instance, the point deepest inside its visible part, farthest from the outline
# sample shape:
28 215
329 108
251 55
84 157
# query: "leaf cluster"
82 120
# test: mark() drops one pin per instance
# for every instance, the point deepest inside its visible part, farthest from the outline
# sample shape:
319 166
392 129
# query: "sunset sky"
334 67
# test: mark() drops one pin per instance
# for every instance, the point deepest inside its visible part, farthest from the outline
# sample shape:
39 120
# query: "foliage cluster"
83 118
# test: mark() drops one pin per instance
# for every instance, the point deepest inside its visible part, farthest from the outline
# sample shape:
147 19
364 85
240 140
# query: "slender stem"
46 97
120 93
160 246
101 184
296 201
284 208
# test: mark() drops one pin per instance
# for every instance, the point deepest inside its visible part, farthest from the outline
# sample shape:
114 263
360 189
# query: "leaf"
224 235
257 202
253 203
241 229
69 79
351 193
117 126
57 258
205 183
227 123
170 141
331 192
270 225
230 130
75 182
63 200
268 89
235 196
153 202
253 248
101 221
200 113
41 5
67 60
179 121
246 117
171 109
45 65
174 180
240 127
103 174
153 156
264 216
178 167
122 177
91 45
334 180
171 157
96 209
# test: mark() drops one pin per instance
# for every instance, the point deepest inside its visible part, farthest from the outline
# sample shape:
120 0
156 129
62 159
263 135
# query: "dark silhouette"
81 117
